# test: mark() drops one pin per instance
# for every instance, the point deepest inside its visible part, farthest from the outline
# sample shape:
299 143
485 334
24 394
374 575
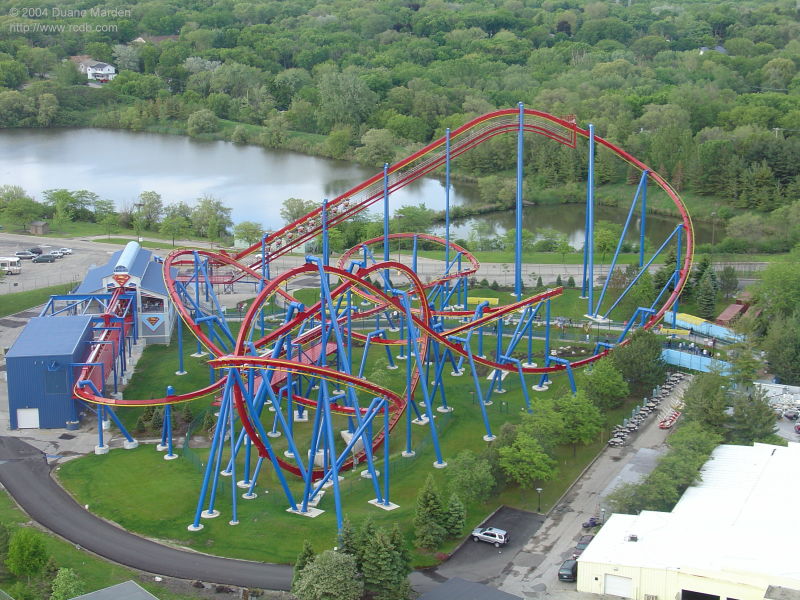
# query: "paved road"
25 474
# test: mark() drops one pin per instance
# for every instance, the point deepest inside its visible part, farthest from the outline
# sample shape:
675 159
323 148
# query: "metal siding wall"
24 385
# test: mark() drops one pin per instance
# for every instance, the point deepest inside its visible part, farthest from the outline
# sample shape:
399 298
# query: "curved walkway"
25 474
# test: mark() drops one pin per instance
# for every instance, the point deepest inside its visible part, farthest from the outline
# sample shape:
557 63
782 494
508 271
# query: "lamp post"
539 492
602 516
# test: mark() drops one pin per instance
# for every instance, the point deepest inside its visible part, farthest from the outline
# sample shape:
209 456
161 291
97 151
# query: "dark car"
35 250
581 545
568 570
45 258
791 414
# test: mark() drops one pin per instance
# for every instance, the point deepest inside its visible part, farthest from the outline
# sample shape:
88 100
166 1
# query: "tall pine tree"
428 516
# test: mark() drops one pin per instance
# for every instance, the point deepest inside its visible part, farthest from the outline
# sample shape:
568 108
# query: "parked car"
56 253
791 414
24 254
45 258
581 545
797 428
66 250
35 250
498 537
568 570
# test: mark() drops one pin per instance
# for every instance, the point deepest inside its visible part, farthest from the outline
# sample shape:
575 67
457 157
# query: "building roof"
733 520
731 312
48 336
137 261
128 590
461 589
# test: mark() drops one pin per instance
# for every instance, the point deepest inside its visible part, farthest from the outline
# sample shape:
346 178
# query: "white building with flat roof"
733 535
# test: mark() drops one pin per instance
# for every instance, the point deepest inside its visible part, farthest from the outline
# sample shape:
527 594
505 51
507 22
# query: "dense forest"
707 93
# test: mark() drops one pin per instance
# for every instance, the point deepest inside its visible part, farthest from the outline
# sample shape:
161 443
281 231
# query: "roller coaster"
294 379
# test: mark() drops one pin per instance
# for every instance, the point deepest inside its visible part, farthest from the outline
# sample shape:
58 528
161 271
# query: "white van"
10 265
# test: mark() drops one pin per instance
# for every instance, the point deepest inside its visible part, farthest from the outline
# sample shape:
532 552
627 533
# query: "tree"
778 293
110 224
526 462
402 556
47 109
545 424
126 57
380 576
640 360
455 516
471 477
211 218
377 147
744 364
175 226
728 282
428 516
782 345
583 417
66 585
202 121
706 402
753 419
706 295
413 218
21 211
604 385
248 231
27 554
347 538
151 207
330 576
365 533
305 557
295 208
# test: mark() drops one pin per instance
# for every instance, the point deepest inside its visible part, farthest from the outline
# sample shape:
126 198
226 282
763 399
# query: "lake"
118 165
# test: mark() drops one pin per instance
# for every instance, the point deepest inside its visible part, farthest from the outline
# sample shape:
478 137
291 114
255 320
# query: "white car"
56 253
65 250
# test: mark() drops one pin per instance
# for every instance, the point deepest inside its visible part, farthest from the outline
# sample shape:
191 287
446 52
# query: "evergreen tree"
558 281
362 540
402 557
380 576
428 516
347 538
571 282
455 516
706 294
753 419
303 559
728 282
539 284
705 402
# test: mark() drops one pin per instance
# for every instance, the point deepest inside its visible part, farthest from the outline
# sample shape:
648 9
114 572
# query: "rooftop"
46 336
734 519
128 590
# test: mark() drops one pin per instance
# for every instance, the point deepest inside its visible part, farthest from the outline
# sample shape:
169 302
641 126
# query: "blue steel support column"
181 370
677 271
644 217
385 452
590 222
518 240
544 381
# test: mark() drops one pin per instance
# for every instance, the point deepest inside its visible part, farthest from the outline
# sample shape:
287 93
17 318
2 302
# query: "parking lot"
70 269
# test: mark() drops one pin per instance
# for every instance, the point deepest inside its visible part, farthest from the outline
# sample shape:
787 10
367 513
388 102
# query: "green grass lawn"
146 494
19 301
